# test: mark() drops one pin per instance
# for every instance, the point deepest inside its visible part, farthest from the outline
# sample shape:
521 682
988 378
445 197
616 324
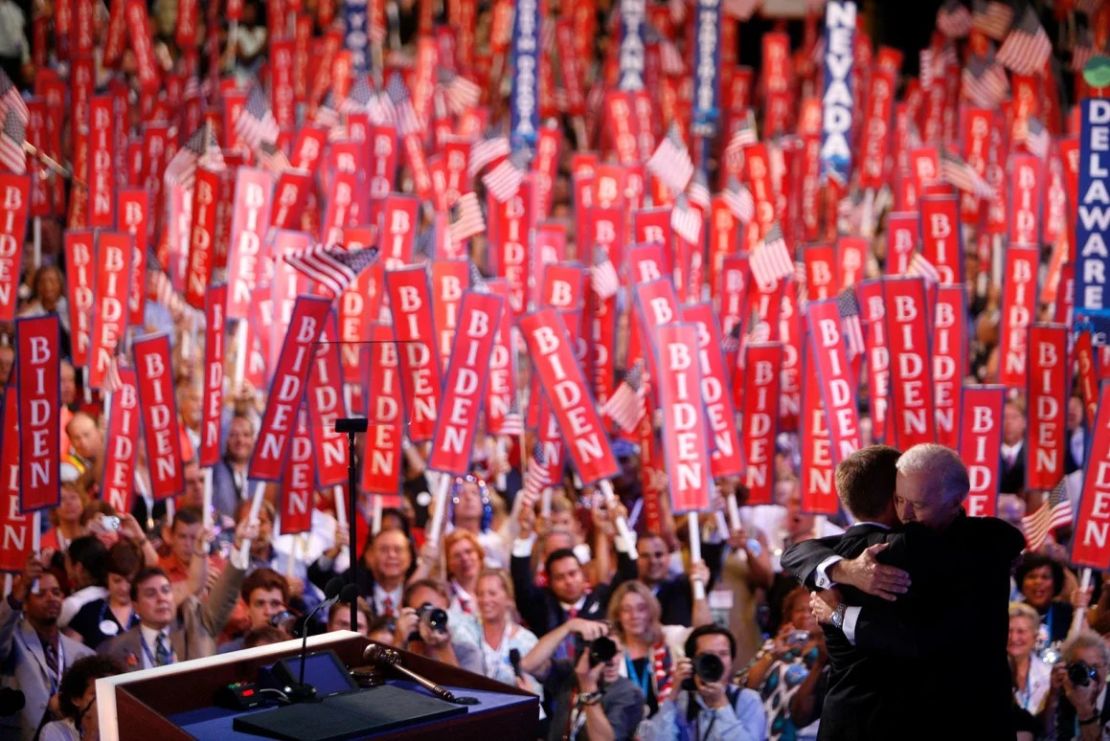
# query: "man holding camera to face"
708 706
426 627
1077 706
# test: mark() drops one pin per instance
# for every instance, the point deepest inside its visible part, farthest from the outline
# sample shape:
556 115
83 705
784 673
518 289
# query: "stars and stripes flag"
984 82
536 478
744 136
686 220
1082 52
358 96
761 332
963 176
459 92
920 267
851 327
12 135
202 149
771 261
164 292
731 342
404 115
627 406
477 280
112 380
273 158
739 201
326 115
603 276
698 192
255 123
513 421
11 100
504 180
1056 512
992 17
333 268
1026 48
671 162
468 219
954 19
487 151
1037 138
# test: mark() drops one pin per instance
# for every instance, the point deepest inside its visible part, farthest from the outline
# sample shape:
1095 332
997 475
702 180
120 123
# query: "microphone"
378 654
333 590
514 659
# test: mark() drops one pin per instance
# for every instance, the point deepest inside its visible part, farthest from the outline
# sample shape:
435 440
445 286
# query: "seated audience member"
168 633
583 699
1041 579
1077 706
720 709
265 594
386 563
500 633
77 700
86 564
1031 675
789 665
424 626
34 654
651 649
109 616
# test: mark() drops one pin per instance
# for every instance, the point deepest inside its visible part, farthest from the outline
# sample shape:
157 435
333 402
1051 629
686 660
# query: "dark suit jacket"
1011 479
950 630
540 608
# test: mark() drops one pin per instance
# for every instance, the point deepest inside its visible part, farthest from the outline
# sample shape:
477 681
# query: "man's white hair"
945 471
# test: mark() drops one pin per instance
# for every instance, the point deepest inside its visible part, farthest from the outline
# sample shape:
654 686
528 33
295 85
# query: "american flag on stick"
955 171
603 276
739 201
273 158
848 306
255 123
333 268
744 136
536 478
486 151
1083 50
12 136
671 162
468 219
920 267
698 192
459 92
953 19
404 115
203 150
991 17
984 82
513 422
504 180
358 96
771 261
11 100
1026 48
1037 138
686 220
626 406
1056 512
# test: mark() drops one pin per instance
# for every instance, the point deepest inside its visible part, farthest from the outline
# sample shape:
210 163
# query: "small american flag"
459 92
536 478
698 192
671 163
486 151
761 332
954 20
334 268
739 201
920 267
962 175
1056 512
203 150
731 342
744 136
477 280
848 306
1037 138
164 292
358 96
771 261
468 219
603 276
1083 50
404 115
504 180
686 220
12 136
273 158
11 100
255 123
513 422
991 17
984 82
327 117
1026 48
626 406
112 380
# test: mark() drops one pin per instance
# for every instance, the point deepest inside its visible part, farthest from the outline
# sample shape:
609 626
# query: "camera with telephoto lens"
601 650
708 667
1081 673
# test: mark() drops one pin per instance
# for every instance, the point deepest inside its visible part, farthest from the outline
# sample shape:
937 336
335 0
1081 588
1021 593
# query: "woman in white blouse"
500 632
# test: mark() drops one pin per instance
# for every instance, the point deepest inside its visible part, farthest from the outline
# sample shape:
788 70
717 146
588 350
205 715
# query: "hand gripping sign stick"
695 551
611 501
252 518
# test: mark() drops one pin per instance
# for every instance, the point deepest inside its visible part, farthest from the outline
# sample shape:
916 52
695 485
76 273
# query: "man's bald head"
84 435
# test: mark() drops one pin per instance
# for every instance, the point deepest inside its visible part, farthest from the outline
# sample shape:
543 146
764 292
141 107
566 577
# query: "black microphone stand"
352 426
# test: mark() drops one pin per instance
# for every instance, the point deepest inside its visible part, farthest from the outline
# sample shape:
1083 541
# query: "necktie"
387 606
162 653
50 653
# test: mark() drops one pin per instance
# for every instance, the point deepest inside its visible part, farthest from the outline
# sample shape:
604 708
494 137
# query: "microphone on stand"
333 591
380 655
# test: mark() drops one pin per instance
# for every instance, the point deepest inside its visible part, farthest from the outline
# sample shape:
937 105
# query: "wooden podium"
178 701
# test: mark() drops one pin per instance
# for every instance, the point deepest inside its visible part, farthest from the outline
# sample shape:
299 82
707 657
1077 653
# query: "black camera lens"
602 650
1081 673
435 617
709 667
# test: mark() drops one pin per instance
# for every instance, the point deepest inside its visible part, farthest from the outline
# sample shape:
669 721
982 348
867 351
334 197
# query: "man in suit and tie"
166 635
949 633
33 652
1011 480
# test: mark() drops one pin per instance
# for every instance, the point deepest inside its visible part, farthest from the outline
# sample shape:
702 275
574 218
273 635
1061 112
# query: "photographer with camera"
427 628
586 698
707 706
1077 707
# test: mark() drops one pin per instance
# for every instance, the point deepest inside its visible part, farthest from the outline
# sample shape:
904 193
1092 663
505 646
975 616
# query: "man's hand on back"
866 574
